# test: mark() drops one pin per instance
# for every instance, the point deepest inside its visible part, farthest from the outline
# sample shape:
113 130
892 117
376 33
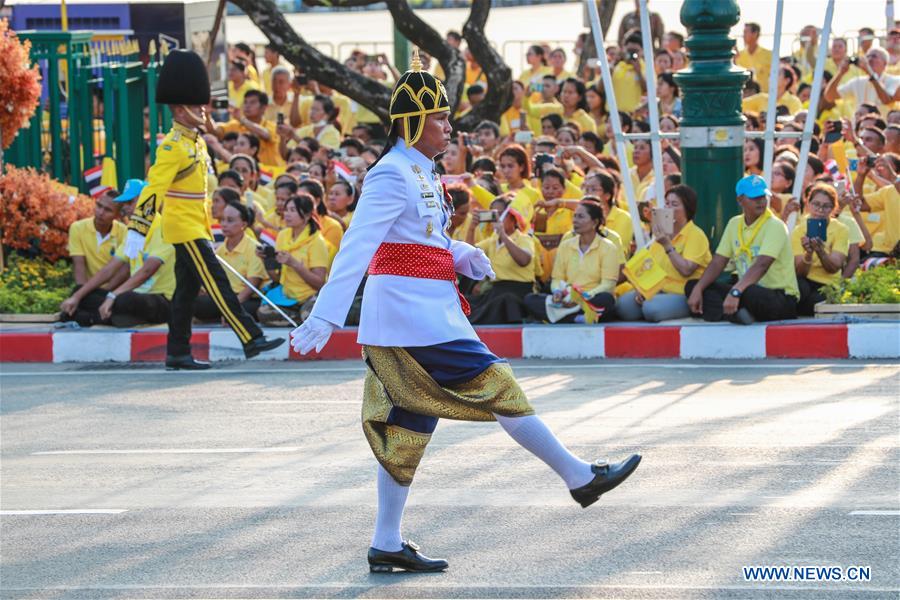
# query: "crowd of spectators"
540 189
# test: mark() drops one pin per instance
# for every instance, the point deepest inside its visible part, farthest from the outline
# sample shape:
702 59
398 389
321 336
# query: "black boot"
606 477
406 559
261 344
186 363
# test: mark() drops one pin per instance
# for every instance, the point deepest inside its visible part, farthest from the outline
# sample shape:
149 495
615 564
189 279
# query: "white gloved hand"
134 243
480 265
313 333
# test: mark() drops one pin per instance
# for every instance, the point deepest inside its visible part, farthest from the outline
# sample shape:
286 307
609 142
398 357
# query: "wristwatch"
735 293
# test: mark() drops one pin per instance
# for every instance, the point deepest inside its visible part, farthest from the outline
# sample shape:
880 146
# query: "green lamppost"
712 127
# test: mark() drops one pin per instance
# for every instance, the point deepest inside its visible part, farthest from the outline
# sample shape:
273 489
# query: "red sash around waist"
416 260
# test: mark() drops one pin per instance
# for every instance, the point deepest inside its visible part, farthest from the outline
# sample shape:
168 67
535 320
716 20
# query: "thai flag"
92 181
343 171
267 236
265 177
218 236
832 167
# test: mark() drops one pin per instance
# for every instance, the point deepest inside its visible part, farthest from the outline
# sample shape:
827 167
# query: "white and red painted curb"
809 340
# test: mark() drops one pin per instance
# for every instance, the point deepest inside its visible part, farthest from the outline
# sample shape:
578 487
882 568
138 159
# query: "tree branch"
318 66
424 36
499 76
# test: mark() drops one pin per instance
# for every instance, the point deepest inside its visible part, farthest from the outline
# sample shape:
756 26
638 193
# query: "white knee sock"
391 501
533 434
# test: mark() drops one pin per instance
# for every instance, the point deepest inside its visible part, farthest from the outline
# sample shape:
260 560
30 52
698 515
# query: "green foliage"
34 286
880 285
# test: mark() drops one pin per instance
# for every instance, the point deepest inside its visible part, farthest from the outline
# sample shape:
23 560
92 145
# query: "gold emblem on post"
429 228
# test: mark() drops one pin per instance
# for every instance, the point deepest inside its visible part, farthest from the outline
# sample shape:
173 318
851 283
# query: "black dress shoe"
261 344
606 477
185 363
406 559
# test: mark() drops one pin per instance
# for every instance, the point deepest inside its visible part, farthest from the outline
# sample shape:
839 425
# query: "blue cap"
133 189
752 186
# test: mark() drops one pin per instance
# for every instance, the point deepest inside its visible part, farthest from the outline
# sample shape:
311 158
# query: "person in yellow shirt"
342 199
321 113
628 80
682 255
273 61
549 104
461 219
515 169
239 83
512 256
573 97
250 119
239 251
93 241
178 180
818 261
303 254
532 77
641 173
552 218
884 204
603 185
557 60
280 95
758 244
586 265
511 121
755 58
838 55
331 229
758 103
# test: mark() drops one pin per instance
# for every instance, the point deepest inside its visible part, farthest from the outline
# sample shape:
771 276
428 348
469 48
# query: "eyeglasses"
821 206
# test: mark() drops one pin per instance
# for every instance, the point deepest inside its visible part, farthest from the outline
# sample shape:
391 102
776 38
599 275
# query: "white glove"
314 333
480 265
134 243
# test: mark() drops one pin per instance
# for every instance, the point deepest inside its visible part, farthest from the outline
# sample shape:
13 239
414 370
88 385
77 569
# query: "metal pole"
653 105
256 291
813 107
597 29
773 91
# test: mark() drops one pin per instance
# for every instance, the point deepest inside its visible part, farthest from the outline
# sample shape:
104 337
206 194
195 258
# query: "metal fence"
98 101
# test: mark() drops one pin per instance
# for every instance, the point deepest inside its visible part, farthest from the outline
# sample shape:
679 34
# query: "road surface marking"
73 511
171 451
875 513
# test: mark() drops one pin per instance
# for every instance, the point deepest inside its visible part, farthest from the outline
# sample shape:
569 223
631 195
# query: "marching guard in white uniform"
424 359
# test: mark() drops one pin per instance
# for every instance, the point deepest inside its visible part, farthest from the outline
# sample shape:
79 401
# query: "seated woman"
553 217
818 262
603 185
239 251
682 256
589 262
304 257
342 199
512 257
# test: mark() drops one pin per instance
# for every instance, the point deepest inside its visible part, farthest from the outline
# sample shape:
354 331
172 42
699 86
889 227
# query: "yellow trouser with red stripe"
196 266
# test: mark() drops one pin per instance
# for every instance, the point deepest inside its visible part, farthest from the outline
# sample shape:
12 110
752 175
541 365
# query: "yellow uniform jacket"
178 181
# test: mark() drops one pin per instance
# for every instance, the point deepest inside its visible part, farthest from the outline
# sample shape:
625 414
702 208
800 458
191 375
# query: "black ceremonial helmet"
416 95
183 79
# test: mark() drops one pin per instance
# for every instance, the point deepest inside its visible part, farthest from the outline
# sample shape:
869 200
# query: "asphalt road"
254 480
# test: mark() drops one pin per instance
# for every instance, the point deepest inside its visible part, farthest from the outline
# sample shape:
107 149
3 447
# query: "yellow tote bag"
644 274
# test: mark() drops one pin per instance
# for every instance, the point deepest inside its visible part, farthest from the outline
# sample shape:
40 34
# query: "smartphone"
280 118
817 228
841 187
541 159
593 63
523 137
664 219
301 79
220 103
870 161
487 216
835 134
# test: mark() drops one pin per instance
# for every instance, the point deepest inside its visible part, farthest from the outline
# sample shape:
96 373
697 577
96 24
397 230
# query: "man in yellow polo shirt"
884 204
239 83
628 76
251 119
93 241
755 58
758 243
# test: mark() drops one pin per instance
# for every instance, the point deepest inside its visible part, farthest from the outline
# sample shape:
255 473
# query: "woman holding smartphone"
820 244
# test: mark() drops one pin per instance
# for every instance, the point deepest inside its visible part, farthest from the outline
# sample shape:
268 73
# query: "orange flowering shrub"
20 88
37 212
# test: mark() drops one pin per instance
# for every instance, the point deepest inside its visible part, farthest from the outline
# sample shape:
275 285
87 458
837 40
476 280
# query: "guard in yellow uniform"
177 192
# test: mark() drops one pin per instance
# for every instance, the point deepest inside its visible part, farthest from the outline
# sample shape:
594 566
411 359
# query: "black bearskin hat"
183 79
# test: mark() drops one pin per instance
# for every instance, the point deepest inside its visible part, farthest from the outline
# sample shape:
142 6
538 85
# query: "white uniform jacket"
402 202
